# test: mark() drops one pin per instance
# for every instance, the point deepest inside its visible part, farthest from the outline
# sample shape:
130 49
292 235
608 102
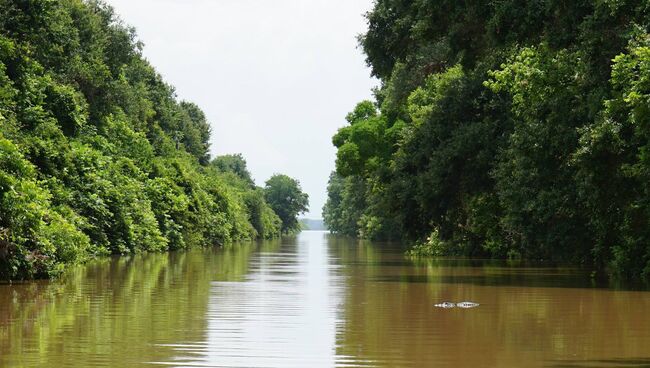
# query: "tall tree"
97 155
286 198
505 129
234 163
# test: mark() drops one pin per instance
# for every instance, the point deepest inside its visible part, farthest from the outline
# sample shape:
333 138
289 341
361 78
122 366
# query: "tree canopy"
286 198
97 154
504 129
235 164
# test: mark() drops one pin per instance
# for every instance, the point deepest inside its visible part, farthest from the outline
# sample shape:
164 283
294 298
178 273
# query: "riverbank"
508 129
98 155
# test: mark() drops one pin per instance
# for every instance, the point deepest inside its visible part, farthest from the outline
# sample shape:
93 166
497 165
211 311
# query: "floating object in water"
445 305
465 305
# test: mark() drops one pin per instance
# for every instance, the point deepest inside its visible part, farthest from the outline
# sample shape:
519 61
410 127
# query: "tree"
345 204
504 129
286 198
97 154
196 130
235 164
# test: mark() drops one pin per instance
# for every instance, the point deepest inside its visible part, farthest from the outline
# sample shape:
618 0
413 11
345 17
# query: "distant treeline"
312 224
503 128
97 155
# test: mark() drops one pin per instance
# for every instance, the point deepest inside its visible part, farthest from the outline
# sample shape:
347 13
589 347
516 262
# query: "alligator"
464 305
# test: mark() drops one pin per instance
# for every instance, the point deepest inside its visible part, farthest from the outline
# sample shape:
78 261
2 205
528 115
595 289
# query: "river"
317 300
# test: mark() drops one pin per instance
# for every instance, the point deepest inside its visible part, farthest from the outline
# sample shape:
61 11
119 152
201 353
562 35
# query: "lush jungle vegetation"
503 128
97 154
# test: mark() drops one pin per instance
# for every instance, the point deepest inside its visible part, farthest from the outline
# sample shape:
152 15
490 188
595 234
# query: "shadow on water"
480 272
470 271
503 273
604 363
517 280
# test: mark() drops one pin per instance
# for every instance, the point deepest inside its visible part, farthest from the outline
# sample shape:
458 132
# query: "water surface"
319 301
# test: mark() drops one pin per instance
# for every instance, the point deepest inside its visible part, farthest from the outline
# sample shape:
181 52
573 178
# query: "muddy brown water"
317 300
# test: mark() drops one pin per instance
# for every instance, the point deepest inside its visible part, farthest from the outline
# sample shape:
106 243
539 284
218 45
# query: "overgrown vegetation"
508 129
286 198
97 155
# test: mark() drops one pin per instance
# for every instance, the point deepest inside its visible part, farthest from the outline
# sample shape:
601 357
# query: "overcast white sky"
275 77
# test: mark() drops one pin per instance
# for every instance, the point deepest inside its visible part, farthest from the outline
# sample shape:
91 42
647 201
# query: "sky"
274 77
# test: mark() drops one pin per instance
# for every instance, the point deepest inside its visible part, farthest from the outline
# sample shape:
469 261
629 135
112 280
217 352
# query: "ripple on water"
319 301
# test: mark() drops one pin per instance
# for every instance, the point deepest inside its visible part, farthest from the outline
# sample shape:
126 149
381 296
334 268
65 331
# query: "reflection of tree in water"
128 311
388 316
603 363
122 310
233 262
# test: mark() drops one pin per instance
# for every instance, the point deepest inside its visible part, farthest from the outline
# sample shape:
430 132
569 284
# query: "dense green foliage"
97 155
286 198
505 129
235 164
